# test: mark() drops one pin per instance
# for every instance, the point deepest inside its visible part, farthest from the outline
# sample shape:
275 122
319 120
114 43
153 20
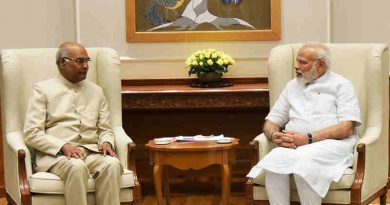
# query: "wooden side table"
191 155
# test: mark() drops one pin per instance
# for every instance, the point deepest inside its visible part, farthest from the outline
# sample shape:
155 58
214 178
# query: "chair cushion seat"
344 183
48 183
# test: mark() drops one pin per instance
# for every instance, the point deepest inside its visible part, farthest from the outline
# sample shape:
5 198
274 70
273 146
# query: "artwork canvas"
177 20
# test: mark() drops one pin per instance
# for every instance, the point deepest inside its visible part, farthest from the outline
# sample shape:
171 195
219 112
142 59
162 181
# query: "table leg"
166 185
225 184
158 184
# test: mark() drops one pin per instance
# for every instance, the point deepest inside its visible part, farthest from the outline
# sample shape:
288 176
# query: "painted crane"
154 17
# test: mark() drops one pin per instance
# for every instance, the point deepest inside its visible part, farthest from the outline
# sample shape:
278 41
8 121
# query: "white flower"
220 62
210 62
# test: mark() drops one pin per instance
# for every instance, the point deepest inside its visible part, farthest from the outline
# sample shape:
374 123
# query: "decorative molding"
158 101
125 59
246 93
187 81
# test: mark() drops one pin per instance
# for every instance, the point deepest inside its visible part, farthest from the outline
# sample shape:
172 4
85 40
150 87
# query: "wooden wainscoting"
153 108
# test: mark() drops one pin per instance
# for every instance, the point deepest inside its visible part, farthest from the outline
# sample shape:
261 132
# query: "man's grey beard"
309 76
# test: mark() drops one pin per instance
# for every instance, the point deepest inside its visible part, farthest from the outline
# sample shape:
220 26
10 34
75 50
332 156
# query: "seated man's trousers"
278 189
106 171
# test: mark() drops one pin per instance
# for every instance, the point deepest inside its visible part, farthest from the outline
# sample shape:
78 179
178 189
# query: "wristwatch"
310 138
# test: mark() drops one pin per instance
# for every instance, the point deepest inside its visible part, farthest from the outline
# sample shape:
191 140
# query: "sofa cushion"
48 183
344 183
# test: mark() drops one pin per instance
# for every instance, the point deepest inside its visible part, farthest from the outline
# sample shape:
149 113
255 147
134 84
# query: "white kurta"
308 108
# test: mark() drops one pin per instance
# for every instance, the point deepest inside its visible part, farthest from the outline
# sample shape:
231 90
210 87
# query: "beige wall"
46 23
37 23
360 21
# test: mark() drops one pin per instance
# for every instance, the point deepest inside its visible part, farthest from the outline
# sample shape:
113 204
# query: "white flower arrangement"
208 61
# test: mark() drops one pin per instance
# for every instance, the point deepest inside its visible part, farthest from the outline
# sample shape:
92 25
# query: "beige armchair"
367 66
20 69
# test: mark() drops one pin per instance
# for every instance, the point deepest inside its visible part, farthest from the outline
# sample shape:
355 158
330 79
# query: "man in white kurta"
67 123
318 111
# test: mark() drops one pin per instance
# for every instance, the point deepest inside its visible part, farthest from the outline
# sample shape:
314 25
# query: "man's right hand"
72 151
281 141
272 130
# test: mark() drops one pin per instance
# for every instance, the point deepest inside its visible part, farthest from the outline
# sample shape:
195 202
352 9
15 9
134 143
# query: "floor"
192 199
186 199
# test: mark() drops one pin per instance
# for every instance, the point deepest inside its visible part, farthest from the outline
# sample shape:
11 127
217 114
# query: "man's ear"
321 63
321 66
61 63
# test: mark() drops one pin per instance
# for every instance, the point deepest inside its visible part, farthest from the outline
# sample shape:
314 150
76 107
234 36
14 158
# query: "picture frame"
223 20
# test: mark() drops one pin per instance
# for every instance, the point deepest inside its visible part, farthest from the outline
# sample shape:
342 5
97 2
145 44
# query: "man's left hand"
298 139
106 148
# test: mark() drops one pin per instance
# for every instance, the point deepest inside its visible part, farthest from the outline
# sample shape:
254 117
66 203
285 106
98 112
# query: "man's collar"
322 78
67 83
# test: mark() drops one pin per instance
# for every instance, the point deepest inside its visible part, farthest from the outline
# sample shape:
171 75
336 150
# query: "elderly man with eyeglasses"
67 123
313 124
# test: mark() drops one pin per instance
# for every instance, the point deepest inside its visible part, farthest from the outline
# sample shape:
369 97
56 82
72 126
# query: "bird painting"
154 17
195 13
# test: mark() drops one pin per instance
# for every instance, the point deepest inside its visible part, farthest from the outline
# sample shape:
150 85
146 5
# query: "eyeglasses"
80 61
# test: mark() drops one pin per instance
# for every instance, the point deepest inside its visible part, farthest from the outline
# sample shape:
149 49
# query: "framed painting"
202 20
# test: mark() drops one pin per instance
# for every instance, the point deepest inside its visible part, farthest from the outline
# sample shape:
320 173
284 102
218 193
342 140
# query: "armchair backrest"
22 68
365 65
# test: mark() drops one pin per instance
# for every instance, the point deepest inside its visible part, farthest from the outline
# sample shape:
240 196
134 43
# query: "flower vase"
209 77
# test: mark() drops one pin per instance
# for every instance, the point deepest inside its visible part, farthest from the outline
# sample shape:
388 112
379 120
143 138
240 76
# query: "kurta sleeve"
105 131
35 125
347 104
279 113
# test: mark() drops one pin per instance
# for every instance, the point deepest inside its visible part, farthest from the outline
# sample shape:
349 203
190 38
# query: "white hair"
61 53
322 52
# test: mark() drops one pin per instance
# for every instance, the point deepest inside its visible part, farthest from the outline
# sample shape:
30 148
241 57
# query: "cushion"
344 183
48 183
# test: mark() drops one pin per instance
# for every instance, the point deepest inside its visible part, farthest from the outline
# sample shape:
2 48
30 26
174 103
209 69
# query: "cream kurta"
308 108
60 112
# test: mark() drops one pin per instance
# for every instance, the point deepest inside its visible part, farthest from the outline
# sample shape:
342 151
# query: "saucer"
163 141
224 141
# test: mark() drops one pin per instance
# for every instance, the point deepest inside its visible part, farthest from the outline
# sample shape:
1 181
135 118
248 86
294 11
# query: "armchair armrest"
359 176
121 143
262 145
25 194
370 136
125 151
371 163
16 142
19 168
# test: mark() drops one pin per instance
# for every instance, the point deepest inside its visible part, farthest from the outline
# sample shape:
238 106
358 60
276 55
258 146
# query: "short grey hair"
322 52
61 53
